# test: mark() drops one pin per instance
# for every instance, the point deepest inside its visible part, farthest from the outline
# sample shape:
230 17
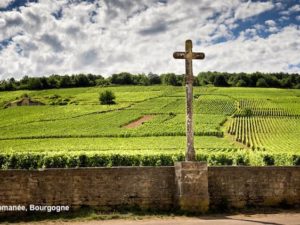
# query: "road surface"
265 219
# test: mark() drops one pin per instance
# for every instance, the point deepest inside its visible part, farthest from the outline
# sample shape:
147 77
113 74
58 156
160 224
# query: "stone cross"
189 55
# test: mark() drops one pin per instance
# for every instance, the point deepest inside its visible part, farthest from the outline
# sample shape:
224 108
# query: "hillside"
70 128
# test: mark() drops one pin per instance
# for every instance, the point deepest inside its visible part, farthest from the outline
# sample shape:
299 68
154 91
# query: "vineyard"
266 125
233 126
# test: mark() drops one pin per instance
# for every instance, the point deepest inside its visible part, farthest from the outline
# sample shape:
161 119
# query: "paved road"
265 219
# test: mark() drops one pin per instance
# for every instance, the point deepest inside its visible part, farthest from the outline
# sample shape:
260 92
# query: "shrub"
55 161
107 98
2 160
35 161
296 160
242 159
83 160
99 160
269 160
220 159
246 112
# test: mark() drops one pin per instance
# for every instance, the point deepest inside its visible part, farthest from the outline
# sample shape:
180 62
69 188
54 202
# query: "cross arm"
184 55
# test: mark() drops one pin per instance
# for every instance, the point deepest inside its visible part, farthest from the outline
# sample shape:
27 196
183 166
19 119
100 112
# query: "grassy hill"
248 126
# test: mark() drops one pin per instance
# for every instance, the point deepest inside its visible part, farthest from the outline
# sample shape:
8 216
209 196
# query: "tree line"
218 79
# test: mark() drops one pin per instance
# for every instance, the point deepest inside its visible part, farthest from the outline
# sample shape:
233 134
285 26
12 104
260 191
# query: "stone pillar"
191 186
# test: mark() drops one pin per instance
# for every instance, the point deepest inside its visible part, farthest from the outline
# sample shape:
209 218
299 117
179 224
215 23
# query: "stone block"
191 181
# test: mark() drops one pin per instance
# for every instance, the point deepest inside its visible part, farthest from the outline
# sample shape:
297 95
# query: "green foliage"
107 98
241 83
261 82
171 79
67 160
220 81
296 160
21 161
55 161
268 160
154 79
246 112
221 159
102 82
257 79
122 78
242 159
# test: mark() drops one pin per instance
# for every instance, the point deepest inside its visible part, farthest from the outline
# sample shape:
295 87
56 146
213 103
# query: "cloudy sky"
44 37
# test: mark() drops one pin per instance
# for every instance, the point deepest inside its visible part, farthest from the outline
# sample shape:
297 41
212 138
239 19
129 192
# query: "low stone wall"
144 187
153 187
253 186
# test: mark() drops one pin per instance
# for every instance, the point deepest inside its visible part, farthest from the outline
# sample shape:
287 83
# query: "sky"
44 37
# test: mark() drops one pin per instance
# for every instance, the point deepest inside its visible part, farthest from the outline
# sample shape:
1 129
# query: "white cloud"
5 3
259 27
279 5
271 54
283 18
295 8
270 23
248 9
273 29
271 26
139 36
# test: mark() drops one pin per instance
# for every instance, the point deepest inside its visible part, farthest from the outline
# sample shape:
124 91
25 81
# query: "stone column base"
191 186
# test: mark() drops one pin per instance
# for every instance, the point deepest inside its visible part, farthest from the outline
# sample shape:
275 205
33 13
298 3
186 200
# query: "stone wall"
144 187
253 186
152 187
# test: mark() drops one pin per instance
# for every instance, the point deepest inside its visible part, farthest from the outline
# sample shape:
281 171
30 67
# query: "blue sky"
42 37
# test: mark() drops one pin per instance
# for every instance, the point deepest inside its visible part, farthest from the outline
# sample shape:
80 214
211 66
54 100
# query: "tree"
121 78
241 83
92 79
169 79
35 83
24 82
140 79
261 82
286 82
202 78
81 81
153 78
102 82
54 81
220 81
65 82
180 80
256 79
297 86
107 98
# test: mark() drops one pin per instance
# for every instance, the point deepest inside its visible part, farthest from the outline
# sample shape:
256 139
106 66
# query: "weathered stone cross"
189 55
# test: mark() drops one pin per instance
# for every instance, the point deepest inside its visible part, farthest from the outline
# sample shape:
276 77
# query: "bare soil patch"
139 121
23 102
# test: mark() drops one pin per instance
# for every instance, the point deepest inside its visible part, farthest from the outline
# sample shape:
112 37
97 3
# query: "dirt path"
139 122
269 219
